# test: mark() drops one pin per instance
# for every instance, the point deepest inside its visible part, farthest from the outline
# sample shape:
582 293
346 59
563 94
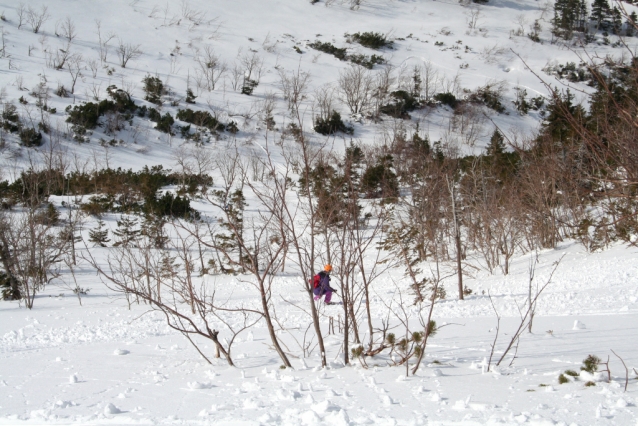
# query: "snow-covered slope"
102 362
433 32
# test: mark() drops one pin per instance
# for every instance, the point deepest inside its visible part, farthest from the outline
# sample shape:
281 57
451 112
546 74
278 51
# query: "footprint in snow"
199 385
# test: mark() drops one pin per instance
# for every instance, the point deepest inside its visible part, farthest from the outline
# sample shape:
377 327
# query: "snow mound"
309 418
63 404
251 404
578 325
111 409
73 379
339 418
325 407
121 352
286 395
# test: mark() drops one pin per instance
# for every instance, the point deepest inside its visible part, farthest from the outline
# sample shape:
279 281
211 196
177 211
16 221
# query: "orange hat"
328 268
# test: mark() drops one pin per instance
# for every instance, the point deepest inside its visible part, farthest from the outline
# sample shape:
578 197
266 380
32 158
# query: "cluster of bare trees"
62 57
34 240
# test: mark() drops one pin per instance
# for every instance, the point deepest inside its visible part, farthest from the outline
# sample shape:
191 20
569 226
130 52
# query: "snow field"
102 363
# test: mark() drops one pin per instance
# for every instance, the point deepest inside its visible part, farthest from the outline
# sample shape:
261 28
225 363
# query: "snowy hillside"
173 37
178 294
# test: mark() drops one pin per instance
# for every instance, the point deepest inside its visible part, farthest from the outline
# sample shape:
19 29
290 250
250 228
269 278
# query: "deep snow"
101 363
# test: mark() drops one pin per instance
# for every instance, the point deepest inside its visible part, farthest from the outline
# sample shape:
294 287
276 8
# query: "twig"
626 369
195 346
498 326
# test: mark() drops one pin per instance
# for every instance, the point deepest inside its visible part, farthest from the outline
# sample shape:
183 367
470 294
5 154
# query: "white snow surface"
60 364
106 363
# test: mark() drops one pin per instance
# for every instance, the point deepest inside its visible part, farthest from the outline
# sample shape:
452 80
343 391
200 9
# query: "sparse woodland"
261 192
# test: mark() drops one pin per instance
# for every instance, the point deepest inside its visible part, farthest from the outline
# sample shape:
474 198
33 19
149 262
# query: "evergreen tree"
563 22
569 16
153 229
630 24
600 11
616 20
190 96
233 205
496 146
126 231
99 236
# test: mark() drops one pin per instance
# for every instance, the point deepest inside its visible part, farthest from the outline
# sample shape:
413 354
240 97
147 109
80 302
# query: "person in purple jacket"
321 284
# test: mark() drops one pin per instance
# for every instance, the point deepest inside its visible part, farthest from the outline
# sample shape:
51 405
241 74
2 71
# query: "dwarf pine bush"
371 40
590 364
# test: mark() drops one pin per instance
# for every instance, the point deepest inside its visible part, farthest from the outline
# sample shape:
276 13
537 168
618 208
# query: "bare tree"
66 28
356 86
384 80
103 42
57 58
457 235
355 4
36 18
323 102
473 16
253 66
260 255
210 67
150 275
21 11
237 73
429 80
528 314
294 87
127 51
3 43
74 65
30 249
93 66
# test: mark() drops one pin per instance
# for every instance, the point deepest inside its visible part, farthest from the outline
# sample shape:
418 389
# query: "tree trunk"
457 240
271 328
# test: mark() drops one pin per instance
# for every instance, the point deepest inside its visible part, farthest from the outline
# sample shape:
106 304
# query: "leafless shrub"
383 82
521 21
493 54
473 16
211 68
57 59
21 11
36 18
93 65
468 121
103 41
253 66
356 85
430 80
66 28
127 51
74 65
527 317
3 43
268 45
237 75
355 4
293 87
323 102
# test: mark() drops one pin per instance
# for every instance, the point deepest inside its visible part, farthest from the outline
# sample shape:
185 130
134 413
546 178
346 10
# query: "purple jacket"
324 284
